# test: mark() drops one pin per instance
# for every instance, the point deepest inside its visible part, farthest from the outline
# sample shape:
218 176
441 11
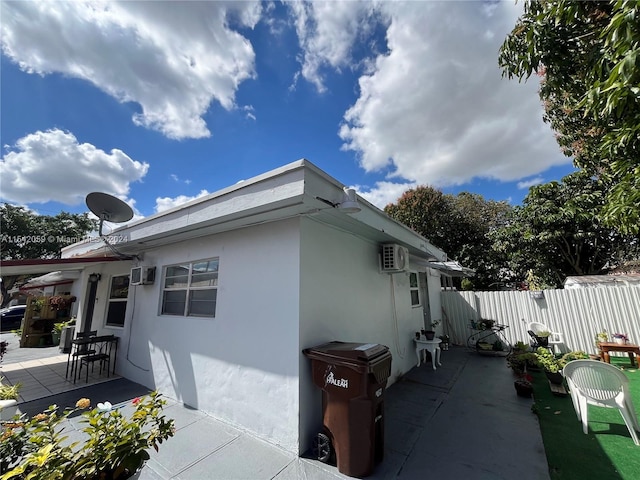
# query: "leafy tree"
25 234
555 233
588 57
459 225
427 211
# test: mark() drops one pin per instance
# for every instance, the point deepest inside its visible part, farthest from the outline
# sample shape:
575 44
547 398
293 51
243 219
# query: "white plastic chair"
598 383
556 339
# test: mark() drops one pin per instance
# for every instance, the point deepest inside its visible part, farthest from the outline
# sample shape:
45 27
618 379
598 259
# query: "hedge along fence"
579 313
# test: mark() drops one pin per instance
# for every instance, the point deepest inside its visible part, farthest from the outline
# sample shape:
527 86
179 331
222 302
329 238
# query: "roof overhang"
46 265
52 279
299 189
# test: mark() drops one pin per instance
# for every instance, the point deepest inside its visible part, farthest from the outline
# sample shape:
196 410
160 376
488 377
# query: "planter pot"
523 389
542 341
620 341
8 409
555 378
55 338
430 335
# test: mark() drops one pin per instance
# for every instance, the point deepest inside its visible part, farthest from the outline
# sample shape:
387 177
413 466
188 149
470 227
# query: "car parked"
11 317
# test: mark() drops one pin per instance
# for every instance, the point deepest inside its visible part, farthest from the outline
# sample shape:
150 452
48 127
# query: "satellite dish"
107 207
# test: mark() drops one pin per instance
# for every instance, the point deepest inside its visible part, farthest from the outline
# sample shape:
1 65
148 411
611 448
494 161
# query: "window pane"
115 313
176 282
119 286
205 267
415 297
173 302
176 276
177 270
204 280
413 280
203 302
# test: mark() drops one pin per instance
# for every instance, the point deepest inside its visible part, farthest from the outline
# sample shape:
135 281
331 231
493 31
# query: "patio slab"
462 420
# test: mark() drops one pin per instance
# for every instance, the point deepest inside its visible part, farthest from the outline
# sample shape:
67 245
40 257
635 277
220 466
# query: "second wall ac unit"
394 258
142 275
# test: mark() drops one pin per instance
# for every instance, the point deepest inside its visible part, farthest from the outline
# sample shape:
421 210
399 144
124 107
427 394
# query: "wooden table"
630 348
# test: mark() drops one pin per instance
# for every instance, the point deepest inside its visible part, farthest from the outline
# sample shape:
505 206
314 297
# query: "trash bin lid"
362 352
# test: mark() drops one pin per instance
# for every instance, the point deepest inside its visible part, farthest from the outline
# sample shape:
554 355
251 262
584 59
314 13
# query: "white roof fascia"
293 190
273 195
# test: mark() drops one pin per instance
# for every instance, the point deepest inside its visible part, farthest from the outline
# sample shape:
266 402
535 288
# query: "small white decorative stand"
431 346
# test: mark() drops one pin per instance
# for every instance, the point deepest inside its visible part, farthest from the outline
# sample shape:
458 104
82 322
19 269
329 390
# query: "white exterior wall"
344 297
240 366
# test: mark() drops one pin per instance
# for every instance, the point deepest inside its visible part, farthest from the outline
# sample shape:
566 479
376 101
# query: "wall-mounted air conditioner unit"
142 275
394 258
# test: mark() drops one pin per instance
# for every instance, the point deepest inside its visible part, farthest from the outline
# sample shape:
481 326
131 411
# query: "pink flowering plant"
623 336
116 445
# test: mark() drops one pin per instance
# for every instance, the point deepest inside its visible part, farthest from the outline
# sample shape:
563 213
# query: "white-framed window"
117 302
414 289
190 289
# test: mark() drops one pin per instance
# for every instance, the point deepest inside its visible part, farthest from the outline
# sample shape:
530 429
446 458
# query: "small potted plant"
523 362
523 386
542 338
57 332
37 305
601 337
8 400
551 364
536 285
431 333
621 338
485 324
520 347
61 302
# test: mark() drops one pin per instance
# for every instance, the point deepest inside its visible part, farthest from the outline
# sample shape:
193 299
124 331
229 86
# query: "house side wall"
344 297
241 365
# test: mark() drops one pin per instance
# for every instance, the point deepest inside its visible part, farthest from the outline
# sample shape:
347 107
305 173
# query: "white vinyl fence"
577 313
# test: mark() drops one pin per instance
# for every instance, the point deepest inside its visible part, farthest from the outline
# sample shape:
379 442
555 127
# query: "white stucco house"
243 280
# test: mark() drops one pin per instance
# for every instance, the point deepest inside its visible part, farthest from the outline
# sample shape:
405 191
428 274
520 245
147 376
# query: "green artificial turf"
607 451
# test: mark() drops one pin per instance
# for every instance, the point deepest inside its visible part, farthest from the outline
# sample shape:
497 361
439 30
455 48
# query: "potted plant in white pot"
8 400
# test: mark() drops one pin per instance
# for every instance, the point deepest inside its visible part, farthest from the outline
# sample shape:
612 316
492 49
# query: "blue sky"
160 102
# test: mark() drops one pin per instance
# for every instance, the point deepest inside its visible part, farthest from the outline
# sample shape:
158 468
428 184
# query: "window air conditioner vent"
142 275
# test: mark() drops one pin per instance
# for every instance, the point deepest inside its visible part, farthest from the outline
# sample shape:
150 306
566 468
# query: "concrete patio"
462 420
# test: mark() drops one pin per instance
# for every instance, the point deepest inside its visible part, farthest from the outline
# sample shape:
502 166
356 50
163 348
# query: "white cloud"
530 183
384 193
327 32
54 166
166 203
171 59
434 109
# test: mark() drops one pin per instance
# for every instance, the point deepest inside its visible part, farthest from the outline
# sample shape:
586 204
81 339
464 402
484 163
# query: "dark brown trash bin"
353 377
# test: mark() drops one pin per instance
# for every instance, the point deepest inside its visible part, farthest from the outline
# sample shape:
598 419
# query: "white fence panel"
577 313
